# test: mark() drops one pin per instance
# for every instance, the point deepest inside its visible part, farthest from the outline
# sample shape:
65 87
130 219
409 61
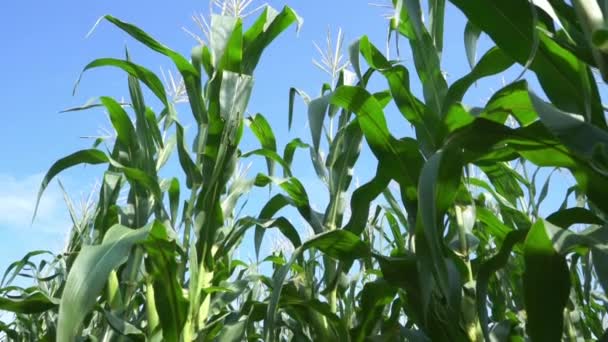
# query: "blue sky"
44 49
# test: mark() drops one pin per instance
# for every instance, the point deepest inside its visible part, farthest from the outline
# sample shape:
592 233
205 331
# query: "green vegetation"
456 250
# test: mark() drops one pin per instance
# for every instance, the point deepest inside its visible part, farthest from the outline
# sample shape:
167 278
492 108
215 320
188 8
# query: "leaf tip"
90 32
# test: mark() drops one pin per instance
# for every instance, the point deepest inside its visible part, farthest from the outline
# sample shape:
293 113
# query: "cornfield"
445 242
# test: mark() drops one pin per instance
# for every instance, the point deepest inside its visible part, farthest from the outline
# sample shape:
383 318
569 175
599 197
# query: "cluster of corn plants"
472 257
149 266
446 242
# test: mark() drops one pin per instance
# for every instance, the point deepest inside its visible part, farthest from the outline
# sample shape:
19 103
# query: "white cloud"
17 202
17 233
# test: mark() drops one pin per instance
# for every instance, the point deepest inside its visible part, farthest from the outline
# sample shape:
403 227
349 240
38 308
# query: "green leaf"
513 100
271 156
565 79
263 32
290 150
317 109
174 199
161 266
292 96
398 239
10 333
193 173
373 299
141 178
239 187
146 76
234 331
125 132
570 129
183 65
88 276
490 267
298 196
439 181
189 73
91 156
331 326
424 51
343 154
600 260
361 200
402 155
262 223
493 62
425 121
505 180
28 303
456 117
91 103
123 327
262 130
533 142
271 207
436 16
338 244
546 286
225 41
565 241
16 267
402 271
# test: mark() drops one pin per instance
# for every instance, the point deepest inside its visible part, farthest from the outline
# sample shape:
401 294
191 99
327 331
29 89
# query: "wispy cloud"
17 202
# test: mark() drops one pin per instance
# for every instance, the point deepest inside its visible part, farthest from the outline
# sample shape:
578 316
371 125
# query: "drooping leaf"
189 73
183 65
471 35
290 149
292 96
28 303
92 156
15 268
146 76
262 130
125 131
